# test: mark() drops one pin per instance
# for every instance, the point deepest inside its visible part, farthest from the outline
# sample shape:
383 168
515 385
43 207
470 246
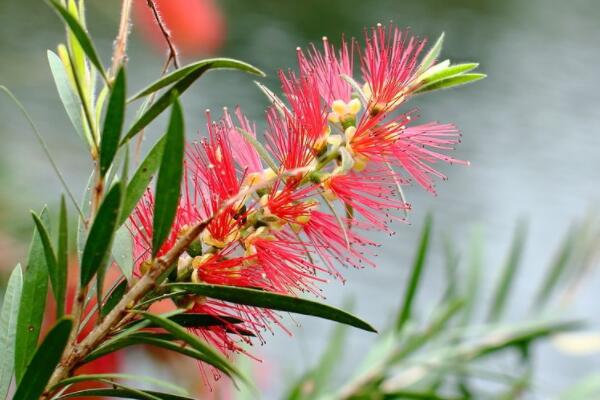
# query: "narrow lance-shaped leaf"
168 184
164 101
51 263
141 179
213 356
120 377
273 301
33 303
70 101
62 257
122 251
508 274
96 252
44 361
114 297
556 269
81 35
208 64
432 55
415 277
127 393
145 338
113 122
8 328
447 72
451 82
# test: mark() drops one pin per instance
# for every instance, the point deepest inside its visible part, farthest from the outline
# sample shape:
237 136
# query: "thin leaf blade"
416 274
208 64
273 301
81 35
43 362
96 252
33 303
141 179
168 183
451 82
113 122
213 356
8 328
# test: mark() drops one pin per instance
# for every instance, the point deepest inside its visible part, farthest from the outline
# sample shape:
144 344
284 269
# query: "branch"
120 49
148 282
172 56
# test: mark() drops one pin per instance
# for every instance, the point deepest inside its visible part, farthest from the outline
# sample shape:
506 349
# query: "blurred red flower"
197 27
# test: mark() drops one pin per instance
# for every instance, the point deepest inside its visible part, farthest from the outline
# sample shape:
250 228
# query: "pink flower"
243 152
420 146
388 65
329 68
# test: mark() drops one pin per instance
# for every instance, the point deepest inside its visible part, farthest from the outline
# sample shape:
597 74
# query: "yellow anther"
338 107
353 107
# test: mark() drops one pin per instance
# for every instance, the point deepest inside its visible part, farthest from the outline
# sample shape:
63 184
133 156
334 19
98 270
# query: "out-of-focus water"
531 131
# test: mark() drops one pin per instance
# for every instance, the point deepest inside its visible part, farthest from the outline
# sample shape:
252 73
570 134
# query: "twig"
120 49
171 57
165 32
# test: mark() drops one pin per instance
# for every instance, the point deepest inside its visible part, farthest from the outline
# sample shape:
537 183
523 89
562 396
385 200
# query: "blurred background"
531 131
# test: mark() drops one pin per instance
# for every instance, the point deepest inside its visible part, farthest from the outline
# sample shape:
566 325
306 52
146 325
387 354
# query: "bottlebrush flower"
329 69
337 150
389 63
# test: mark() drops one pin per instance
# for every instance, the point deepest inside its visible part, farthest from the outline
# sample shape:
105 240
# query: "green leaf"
122 393
434 75
44 361
96 252
451 82
69 99
198 320
432 55
33 303
508 274
113 122
62 257
81 35
415 277
145 338
164 101
273 301
556 269
213 356
113 299
116 376
58 285
141 179
205 65
168 183
122 251
8 328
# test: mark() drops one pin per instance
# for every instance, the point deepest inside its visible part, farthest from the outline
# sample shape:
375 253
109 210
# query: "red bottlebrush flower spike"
416 147
336 150
243 152
373 193
388 64
329 68
306 109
